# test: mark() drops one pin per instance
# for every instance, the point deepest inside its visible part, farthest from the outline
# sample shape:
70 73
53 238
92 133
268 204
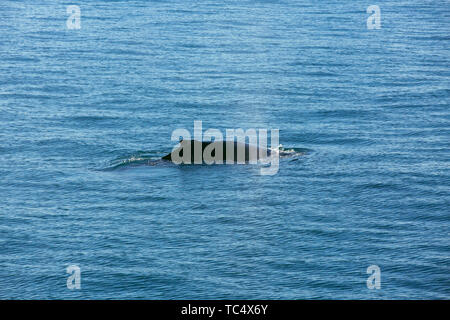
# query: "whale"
219 152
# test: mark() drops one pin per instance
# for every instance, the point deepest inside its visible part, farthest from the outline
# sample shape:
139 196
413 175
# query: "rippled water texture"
370 108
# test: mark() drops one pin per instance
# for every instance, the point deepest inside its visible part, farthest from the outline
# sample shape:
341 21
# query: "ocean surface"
86 114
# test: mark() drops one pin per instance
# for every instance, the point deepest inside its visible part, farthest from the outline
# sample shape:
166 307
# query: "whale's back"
225 151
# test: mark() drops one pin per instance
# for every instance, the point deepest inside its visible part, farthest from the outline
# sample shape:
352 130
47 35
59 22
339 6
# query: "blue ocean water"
81 110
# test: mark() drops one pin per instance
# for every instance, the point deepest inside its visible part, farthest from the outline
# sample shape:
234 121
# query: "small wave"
140 158
290 152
